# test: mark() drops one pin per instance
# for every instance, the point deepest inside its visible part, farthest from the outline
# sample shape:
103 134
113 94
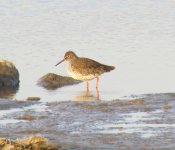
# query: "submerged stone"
167 107
30 117
136 101
33 98
9 75
53 81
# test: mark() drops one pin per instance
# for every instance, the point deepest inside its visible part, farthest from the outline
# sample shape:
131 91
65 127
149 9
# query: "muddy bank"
142 123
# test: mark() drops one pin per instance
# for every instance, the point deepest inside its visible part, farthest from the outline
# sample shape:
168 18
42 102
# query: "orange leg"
97 91
87 88
97 82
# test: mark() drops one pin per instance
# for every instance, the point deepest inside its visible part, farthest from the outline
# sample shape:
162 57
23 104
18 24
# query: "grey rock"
53 81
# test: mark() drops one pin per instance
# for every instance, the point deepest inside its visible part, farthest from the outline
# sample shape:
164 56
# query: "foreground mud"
142 123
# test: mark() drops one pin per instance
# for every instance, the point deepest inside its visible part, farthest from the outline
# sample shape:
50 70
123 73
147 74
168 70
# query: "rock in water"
33 98
9 75
30 143
53 81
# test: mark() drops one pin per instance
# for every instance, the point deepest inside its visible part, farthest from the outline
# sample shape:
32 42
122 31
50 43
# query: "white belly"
78 76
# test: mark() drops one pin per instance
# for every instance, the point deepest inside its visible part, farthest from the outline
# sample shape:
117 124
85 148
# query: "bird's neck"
73 59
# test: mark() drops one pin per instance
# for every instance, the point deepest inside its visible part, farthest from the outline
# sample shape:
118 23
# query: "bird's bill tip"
60 62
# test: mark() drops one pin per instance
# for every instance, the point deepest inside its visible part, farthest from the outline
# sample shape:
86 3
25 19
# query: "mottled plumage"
81 68
86 69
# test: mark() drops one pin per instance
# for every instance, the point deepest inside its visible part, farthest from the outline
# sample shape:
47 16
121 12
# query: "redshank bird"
85 69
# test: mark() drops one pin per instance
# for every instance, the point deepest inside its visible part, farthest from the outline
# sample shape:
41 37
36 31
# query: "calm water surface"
138 37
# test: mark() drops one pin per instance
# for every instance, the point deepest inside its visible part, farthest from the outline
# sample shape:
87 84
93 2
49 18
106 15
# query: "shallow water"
117 124
137 37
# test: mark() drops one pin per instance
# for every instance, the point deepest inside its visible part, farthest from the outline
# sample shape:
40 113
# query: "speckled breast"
77 74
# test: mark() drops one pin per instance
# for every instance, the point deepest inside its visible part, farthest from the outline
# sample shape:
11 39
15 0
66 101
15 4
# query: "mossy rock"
30 143
9 75
53 81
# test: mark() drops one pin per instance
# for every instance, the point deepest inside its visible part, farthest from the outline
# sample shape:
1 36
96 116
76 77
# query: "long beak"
60 62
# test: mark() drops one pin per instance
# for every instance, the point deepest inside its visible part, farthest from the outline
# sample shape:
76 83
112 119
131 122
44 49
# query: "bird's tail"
109 68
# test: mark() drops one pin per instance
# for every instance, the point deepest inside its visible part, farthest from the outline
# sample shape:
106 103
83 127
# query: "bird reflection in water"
88 96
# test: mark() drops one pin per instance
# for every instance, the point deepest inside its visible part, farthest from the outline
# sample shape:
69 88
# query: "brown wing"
88 66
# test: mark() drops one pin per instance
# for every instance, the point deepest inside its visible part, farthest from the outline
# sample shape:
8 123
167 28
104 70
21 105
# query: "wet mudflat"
139 123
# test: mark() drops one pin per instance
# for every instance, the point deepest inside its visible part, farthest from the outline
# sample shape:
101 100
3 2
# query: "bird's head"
69 55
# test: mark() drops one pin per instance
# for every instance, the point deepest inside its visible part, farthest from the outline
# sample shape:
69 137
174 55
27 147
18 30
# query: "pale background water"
138 37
